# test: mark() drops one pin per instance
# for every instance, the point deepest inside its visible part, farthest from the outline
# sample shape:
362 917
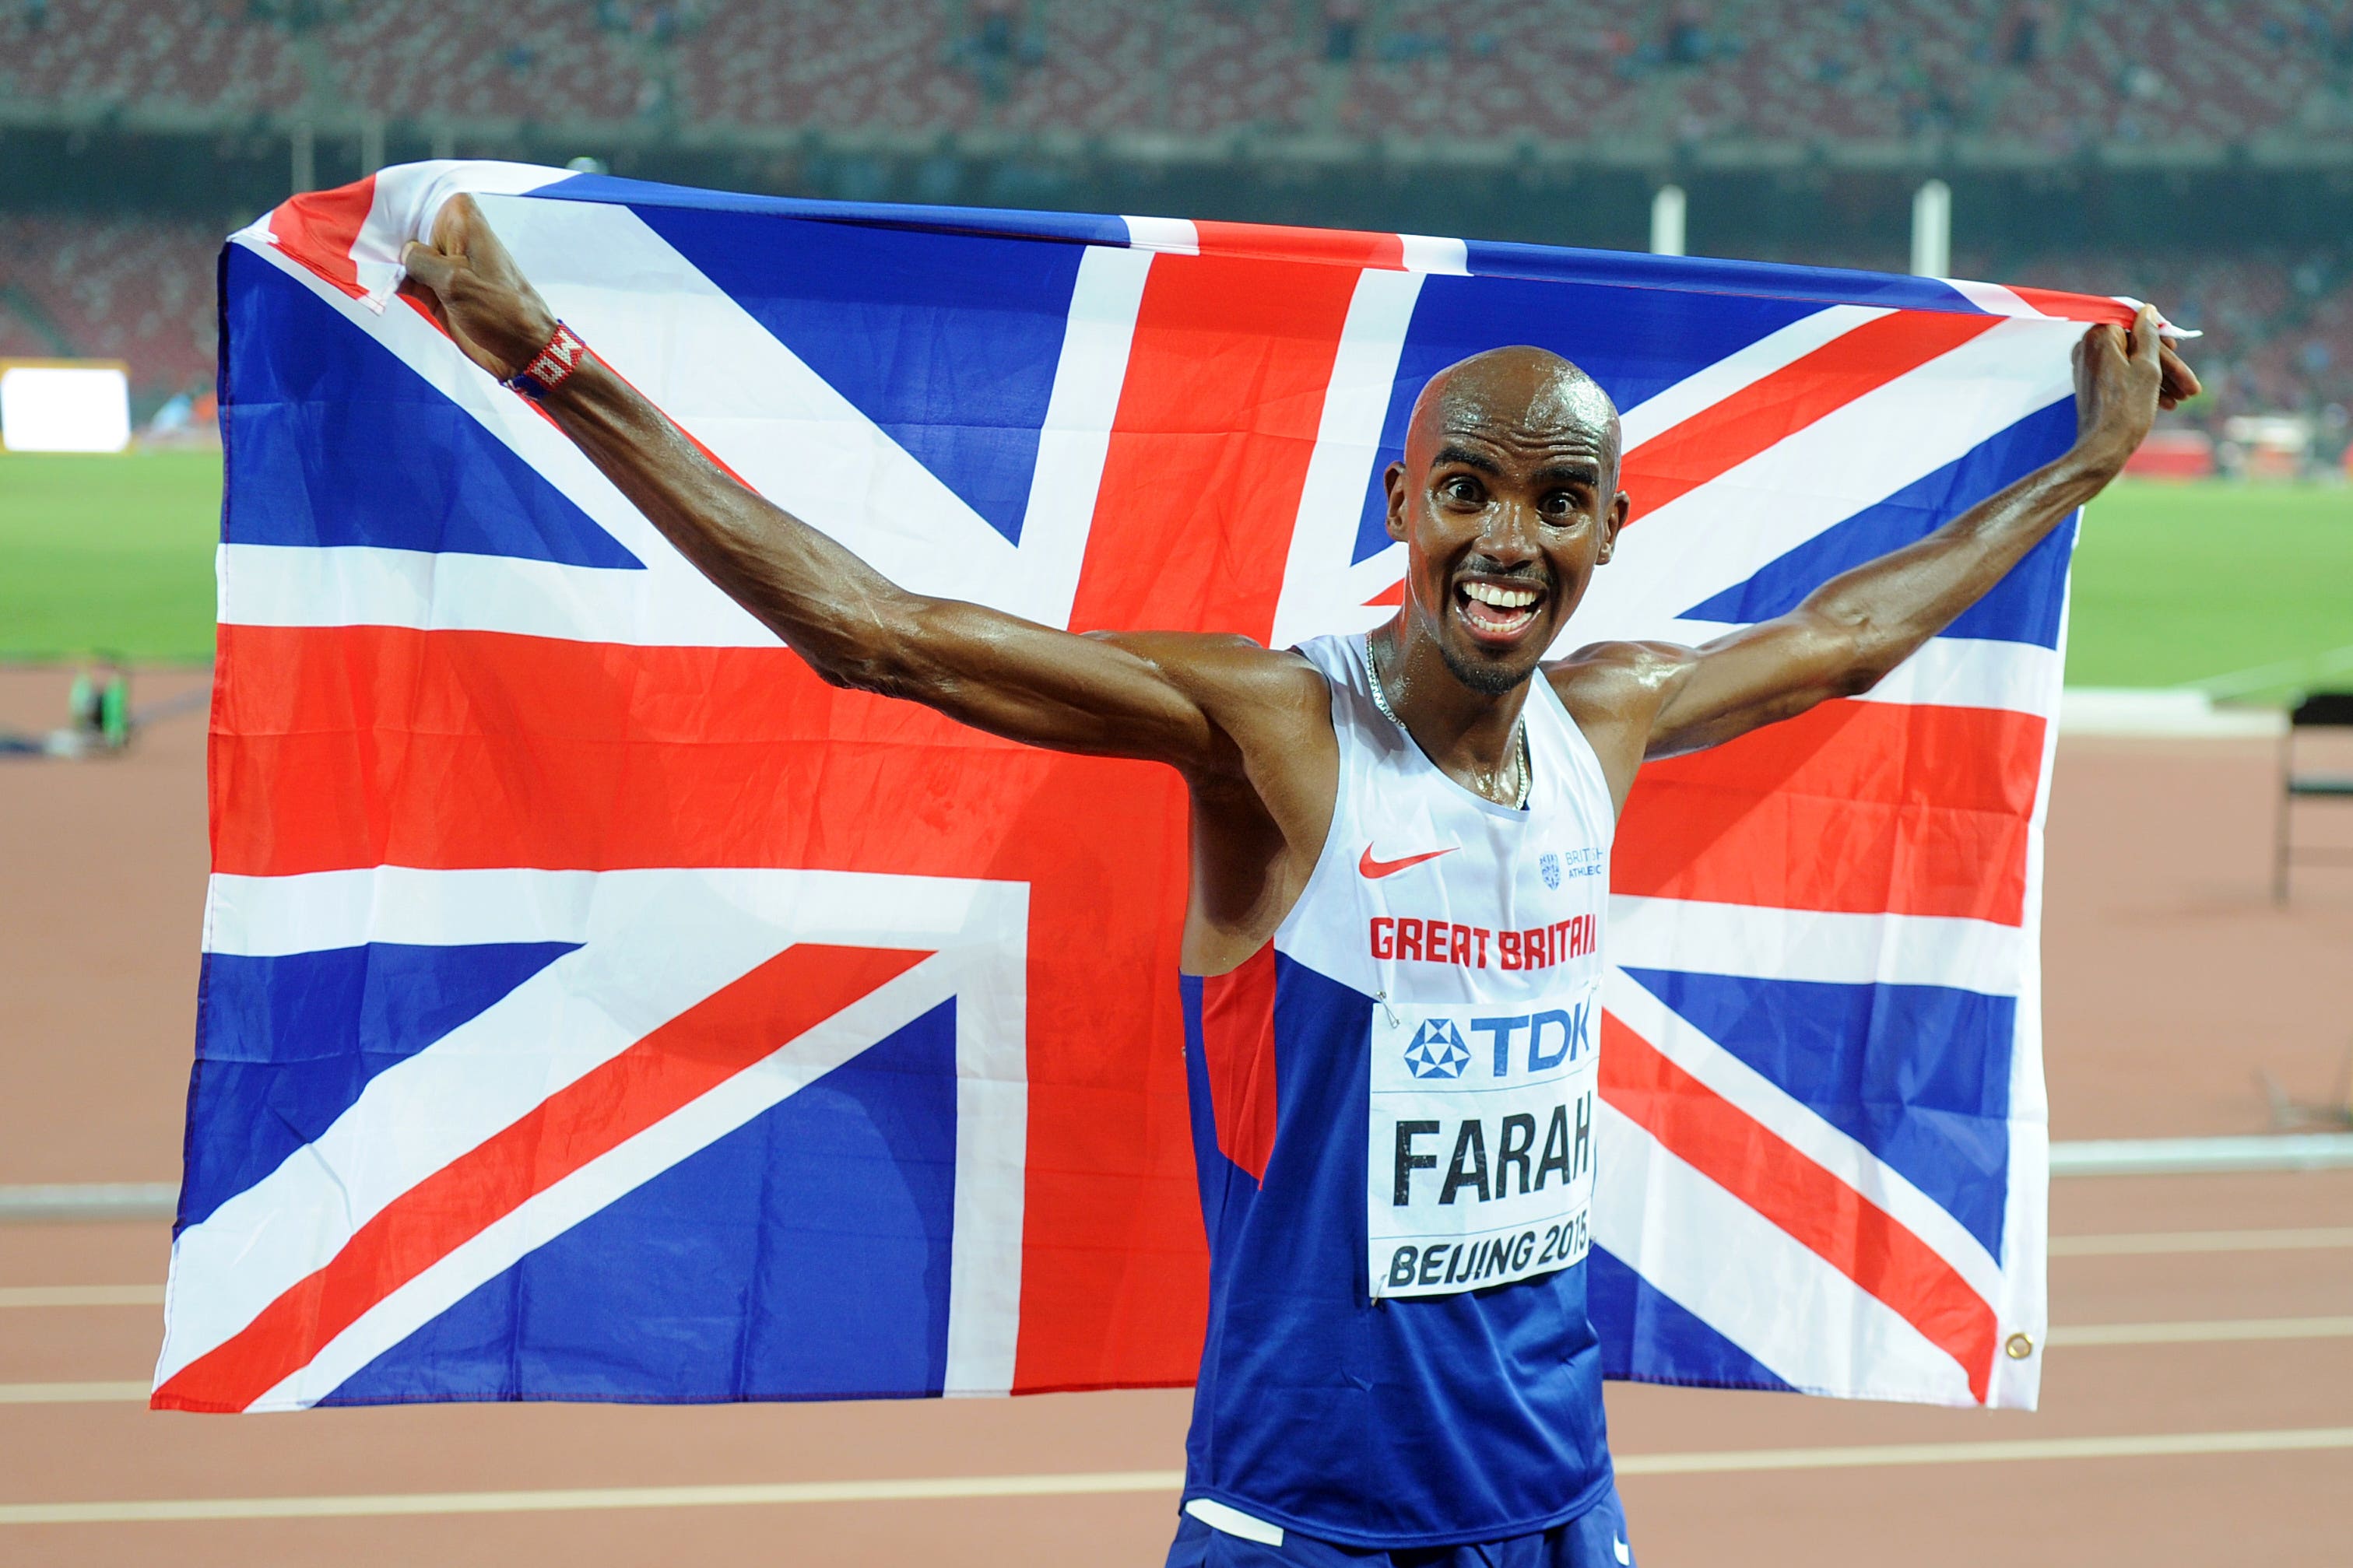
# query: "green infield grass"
2181 583
108 554
2175 583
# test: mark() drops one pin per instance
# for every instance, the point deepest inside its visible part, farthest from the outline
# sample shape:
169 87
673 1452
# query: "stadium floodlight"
64 405
1667 221
1932 229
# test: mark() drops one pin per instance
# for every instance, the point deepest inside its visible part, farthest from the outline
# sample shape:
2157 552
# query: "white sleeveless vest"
1477 928
1393 1119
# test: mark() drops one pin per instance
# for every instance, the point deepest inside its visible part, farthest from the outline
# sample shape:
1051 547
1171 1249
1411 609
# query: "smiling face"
1507 501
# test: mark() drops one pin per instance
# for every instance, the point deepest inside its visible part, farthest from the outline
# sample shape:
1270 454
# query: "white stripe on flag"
986 1345
264 916
365 585
658 942
1947 672
1992 297
1320 593
1176 236
771 418
727 380
1800 1126
1436 253
1723 533
667 595
1837 949
408 197
1740 370
1755 1283
1076 438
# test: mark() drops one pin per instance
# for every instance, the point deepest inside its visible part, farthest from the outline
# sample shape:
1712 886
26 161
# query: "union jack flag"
599 1005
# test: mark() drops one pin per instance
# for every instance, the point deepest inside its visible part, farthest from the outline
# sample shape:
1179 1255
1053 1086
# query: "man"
1400 847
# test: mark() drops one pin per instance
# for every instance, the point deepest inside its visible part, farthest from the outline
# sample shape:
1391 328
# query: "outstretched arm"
1136 697
1855 628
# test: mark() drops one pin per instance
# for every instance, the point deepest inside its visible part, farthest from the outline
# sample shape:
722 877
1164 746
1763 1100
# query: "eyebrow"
1585 473
1467 458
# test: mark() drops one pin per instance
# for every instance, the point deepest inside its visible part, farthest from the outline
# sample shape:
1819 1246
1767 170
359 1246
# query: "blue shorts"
1594 1539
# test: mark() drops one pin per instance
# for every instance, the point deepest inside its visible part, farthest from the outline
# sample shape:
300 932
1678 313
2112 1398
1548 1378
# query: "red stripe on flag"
1217 418
1282 242
1861 807
685 1058
2075 307
1685 457
1837 1223
1224 398
353 746
1238 1049
320 228
344 746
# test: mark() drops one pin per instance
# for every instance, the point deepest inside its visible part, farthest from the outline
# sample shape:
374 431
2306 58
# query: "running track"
2221 1427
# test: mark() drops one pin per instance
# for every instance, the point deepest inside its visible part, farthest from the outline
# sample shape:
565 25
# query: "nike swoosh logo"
1375 870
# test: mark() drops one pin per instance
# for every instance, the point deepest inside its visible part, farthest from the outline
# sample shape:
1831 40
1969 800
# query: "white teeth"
1502 598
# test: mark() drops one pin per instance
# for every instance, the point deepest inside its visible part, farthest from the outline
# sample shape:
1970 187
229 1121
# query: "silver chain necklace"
1521 773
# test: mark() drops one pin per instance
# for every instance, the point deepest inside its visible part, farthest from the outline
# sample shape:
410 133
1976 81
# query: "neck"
1472 735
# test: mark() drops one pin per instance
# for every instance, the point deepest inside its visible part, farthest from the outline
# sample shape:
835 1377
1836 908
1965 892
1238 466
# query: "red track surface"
2170 979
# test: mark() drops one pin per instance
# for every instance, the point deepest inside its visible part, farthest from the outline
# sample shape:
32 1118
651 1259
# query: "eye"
1462 488
1558 506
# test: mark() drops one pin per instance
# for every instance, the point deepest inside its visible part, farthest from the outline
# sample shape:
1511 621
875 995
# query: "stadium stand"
188 55
2048 78
127 288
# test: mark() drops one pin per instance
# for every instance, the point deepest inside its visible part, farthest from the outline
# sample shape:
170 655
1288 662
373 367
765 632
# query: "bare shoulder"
1261 807
1614 690
1610 681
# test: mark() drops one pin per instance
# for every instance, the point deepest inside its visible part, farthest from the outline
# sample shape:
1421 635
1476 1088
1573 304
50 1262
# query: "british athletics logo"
599 1005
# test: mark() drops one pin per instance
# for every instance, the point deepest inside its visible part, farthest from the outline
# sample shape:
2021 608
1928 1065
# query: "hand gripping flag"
599 1005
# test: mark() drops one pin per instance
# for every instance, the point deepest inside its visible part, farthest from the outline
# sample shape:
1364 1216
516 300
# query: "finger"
427 265
2144 344
2180 379
453 222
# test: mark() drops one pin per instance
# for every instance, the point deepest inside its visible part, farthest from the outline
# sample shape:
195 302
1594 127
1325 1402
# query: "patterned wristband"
553 365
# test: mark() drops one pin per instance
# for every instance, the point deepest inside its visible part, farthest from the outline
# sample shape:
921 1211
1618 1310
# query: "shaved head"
1507 499
1521 391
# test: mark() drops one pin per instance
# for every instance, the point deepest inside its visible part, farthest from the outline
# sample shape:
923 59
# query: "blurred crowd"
129 289
2053 75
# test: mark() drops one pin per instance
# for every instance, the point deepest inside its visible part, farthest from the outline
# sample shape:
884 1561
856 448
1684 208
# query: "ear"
1622 507
1393 484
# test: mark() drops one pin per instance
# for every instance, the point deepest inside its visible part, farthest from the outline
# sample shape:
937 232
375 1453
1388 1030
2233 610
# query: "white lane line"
2142 1446
2190 1157
81 1296
2145 1446
2121 1244
91 1201
73 1392
2210 1331
383 1503
2139 1244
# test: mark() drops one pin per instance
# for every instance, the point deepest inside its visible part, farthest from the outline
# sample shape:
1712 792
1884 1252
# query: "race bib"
1480 1159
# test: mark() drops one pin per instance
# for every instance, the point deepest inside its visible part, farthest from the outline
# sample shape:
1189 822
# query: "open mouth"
1497 611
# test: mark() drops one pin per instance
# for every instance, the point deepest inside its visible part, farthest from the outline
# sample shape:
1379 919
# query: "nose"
1508 535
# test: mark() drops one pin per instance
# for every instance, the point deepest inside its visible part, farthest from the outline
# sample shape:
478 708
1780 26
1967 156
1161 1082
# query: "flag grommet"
2018 1347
